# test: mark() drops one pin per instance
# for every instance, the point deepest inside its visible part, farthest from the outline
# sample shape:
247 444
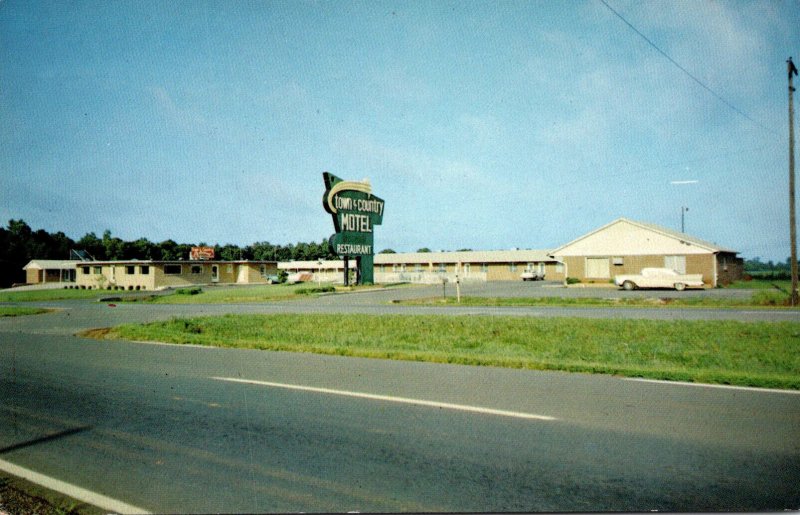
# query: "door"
242 277
597 268
214 273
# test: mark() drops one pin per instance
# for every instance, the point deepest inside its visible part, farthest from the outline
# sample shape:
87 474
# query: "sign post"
355 211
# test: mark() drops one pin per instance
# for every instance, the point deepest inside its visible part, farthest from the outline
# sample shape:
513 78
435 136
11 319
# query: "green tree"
228 252
113 246
93 245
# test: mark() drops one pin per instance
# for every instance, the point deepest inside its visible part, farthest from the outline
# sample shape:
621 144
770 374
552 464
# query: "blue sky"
482 124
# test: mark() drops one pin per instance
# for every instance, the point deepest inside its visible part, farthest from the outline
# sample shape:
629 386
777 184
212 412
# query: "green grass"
247 294
727 352
759 298
15 311
229 295
762 284
48 295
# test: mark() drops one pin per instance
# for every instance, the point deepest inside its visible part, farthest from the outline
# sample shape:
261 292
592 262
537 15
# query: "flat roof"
172 262
49 264
466 256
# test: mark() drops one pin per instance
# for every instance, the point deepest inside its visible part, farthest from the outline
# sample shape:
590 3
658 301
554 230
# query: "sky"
482 124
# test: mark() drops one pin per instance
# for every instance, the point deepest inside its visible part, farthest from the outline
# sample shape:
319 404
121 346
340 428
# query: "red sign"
201 253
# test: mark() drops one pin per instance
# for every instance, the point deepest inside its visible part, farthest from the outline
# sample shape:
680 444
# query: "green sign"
356 212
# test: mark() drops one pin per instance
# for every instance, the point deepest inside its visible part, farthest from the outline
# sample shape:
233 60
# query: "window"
98 270
130 270
485 268
172 270
617 261
85 270
677 263
197 269
442 268
466 268
145 269
512 267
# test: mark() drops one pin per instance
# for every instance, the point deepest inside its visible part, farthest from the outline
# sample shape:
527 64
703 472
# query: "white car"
659 278
531 275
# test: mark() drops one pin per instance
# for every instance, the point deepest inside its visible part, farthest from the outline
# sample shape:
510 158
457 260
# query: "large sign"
201 253
356 212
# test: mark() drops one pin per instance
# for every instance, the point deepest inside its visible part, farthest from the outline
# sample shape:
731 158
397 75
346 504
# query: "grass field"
188 295
47 295
726 352
763 284
15 311
246 294
761 298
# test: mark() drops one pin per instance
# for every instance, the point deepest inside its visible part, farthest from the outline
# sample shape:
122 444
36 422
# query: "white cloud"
185 119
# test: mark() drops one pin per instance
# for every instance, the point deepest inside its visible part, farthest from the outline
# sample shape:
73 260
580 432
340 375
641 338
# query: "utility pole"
792 224
683 225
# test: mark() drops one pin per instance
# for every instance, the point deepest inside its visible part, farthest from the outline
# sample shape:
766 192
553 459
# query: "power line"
684 70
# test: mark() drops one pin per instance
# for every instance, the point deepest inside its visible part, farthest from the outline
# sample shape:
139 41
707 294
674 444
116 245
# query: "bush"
320 289
189 291
573 280
770 275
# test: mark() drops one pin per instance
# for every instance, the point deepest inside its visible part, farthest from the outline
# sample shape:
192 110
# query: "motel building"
157 275
464 266
44 271
621 247
626 247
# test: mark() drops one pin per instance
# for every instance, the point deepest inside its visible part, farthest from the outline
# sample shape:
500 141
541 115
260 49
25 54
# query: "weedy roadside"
18 496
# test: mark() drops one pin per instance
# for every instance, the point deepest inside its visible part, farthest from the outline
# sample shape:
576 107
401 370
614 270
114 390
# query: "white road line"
703 385
76 492
387 398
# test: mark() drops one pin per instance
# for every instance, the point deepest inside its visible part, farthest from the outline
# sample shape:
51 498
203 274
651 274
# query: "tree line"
19 244
768 270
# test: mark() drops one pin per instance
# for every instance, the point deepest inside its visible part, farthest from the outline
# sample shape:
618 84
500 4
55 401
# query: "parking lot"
557 289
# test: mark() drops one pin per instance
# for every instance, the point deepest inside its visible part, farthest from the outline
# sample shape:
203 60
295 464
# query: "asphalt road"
165 428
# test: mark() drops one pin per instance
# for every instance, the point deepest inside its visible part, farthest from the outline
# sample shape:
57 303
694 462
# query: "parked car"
659 278
299 277
531 275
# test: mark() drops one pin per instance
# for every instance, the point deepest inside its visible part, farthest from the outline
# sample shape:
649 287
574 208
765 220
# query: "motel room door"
242 276
214 273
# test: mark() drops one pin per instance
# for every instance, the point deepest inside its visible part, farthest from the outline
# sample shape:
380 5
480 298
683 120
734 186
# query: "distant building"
155 275
40 271
626 247
326 271
620 247
467 266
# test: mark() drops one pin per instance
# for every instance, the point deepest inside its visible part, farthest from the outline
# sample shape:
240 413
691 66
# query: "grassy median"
725 352
15 311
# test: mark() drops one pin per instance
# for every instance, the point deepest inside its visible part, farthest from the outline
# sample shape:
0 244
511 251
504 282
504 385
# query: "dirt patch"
100 333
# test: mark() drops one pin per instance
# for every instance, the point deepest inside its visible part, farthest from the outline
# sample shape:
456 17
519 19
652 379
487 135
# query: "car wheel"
628 285
680 286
